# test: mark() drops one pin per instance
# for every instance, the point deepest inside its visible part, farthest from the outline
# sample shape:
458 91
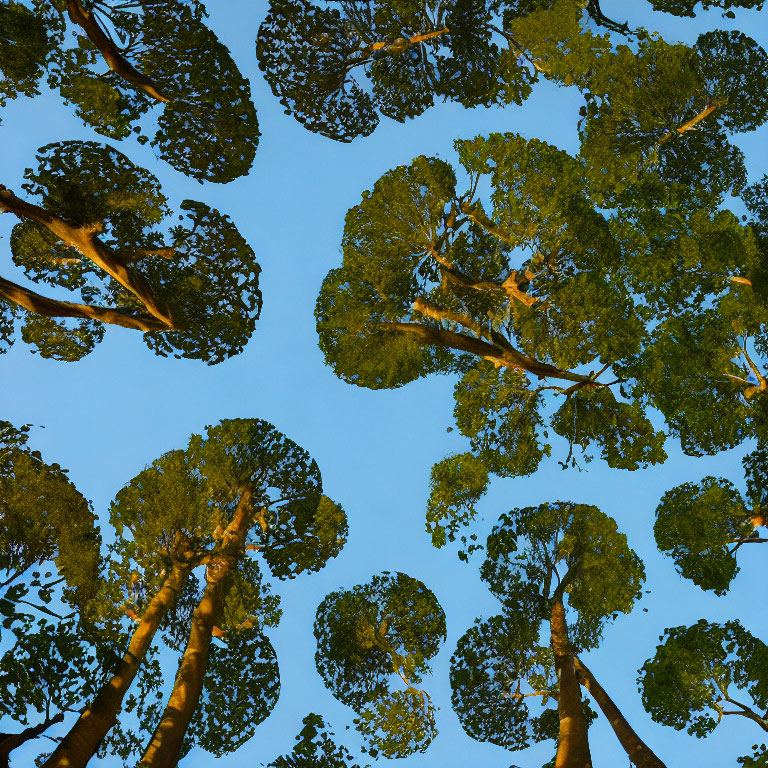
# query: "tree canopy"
565 565
366 637
100 226
315 748
338 66
191 530
156 53
701 674
702 526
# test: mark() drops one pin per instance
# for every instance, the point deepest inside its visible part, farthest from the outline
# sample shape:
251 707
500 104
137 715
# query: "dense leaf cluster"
155 52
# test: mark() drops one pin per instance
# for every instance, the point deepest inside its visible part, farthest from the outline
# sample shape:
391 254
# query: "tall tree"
100 225
518 295
701 674
367 637
565 565
703 525
242 488
156 53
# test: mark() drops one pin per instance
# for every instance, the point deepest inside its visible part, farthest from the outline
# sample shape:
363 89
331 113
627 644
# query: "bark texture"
111 54
573 742
637 750
165 746
85 737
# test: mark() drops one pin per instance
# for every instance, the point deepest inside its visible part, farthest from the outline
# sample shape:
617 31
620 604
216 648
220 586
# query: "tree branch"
42 305
84 239
115 60
507 357
691 124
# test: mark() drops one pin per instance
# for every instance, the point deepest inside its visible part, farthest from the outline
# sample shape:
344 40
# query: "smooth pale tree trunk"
11 741
168 739
165 746
637 750
572 742
86 735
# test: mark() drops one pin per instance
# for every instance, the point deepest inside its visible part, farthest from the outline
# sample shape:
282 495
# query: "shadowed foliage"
100 227
702 526
366 637
702 674
315 748
157 53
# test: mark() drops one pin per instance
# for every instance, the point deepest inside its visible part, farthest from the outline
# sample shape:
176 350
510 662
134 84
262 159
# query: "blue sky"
118 409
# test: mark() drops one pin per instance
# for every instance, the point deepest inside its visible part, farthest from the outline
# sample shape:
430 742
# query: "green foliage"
692 679
697 525
515 293
241 688
687 7
496 662
200 269
393 625
626 437
336 69
26 42
315 748
457 483
656 117
45 522
207 128
573 550
498 412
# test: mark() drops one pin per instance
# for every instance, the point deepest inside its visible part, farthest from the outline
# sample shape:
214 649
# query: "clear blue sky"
121 407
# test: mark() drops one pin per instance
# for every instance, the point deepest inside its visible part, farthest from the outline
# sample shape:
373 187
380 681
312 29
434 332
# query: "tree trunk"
167 741
165 746
85 737
10 741
637 750
572 742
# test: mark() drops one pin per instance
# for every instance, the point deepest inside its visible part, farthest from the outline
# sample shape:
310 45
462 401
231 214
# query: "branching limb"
42 305
114 58
84 238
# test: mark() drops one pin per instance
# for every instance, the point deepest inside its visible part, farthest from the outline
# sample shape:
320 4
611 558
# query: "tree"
45 523
157 52
242 488
517 301
391 626
697 671
337 66
315 748
566 565
100 225
702 526
58 657
656 122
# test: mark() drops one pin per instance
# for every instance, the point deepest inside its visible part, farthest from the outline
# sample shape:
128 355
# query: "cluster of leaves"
315 748
154 52
366 637
192 286
695 674
702 526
